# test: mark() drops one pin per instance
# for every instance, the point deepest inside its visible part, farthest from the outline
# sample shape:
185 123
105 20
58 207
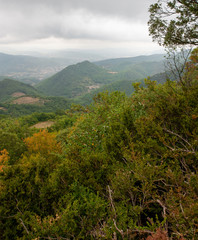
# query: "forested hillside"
75 80
125 86
133 68
17 99
9 87
123 168
82 78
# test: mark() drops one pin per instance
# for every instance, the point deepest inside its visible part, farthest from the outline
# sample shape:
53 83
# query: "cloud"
104 20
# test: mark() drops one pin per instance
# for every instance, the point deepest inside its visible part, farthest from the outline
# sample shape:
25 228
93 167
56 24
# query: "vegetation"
82 78
50 104
126 64
123 168
174 22
120 85
75 80
14 96
9 86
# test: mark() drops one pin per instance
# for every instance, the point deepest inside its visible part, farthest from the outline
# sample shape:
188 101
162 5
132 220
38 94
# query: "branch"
179 136
24 226
120 231
111 199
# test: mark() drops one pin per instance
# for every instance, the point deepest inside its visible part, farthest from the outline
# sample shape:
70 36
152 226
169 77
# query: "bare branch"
111 199
179 136
24 226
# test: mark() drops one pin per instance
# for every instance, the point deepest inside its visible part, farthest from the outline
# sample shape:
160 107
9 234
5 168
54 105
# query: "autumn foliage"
4 157
43 142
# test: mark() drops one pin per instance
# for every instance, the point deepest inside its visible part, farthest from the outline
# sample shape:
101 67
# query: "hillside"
123 64
9 87
133 68
125 86
18 99
75 80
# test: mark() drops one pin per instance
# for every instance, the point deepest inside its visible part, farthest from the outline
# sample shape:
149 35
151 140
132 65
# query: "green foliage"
120 85
124 168
8 87
12 134
51 104
174 22
74 80
154 62
77 80
79 216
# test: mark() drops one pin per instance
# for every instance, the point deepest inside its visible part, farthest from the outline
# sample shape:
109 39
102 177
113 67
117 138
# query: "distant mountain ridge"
75 80
82 78
122 64
132 68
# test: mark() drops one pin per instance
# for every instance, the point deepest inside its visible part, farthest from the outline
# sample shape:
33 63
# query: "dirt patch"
2 108
113 72
91 87
18 94
45 124
28 100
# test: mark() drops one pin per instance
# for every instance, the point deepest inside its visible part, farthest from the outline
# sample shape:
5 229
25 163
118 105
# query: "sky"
47 25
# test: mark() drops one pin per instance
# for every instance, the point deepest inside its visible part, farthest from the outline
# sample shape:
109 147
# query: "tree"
174 22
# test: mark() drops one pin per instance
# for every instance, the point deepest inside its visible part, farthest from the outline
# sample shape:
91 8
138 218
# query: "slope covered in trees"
18 99
123 64
75 80
123 168
9 86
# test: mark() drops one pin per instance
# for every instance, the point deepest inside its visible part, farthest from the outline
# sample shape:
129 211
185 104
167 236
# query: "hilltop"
75 80
85 77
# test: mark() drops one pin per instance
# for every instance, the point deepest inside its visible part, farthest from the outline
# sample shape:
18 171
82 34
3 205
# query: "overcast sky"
40 25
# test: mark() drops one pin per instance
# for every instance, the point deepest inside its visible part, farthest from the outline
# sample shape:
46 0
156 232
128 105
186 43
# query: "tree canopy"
122 168
174 22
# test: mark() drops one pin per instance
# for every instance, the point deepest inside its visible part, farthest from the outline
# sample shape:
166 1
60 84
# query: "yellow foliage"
3 158
43 142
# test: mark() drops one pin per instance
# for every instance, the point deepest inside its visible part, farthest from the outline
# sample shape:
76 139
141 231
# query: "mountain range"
78 82
85 77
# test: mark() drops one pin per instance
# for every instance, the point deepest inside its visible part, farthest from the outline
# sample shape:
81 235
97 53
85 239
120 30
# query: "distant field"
45 124
28 100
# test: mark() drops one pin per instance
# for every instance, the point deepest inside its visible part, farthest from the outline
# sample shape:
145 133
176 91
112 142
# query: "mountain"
123 64
75 80
134 67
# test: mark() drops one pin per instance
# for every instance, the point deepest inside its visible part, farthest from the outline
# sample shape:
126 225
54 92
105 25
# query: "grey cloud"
136 10
92 19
